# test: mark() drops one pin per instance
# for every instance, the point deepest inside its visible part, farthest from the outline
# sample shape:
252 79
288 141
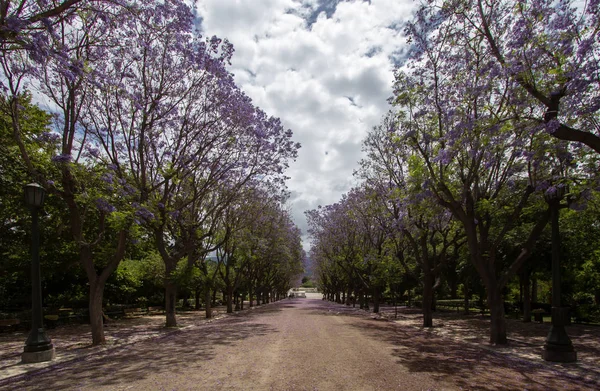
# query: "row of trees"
495 125
149 147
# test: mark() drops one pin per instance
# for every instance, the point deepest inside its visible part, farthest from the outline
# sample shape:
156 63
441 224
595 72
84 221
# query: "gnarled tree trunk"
207 298
526 297
498 320
427 300
95 307
376 298
229 299
170 295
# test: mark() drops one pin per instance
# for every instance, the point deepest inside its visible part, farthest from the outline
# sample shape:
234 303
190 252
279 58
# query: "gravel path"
300 344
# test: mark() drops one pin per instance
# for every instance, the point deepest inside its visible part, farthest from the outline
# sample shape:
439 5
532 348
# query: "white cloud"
324 67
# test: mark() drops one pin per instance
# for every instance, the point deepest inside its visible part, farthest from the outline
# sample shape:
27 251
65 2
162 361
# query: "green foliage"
122 286
308 283
137 281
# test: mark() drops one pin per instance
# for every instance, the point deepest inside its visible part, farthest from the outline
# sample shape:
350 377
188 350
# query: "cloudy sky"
325 67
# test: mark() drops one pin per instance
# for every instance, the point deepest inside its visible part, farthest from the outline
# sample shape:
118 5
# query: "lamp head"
34 195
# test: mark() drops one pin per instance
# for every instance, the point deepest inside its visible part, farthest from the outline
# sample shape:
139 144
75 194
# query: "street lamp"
558 346
38 346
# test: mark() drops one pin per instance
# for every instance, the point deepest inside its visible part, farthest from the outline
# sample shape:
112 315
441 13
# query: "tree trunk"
170 301
170 295
97 284
454 288
207 303
337 297
376 299
534 290
521 278
229 300
526 298
498 321
214 298
197 293
95 308
251 298
466 298
427 300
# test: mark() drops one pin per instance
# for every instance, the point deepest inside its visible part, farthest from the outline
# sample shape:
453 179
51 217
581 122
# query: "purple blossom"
104 206
13 25
444 156
542 186
551 191
128 190
94 152
66 158
48 137
552 126
144 214
107 177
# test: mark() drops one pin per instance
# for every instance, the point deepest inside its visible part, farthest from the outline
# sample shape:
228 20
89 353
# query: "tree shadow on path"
172 355
468 366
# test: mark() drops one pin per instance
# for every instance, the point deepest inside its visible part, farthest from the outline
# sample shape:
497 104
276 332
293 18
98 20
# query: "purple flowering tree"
177 129
242 221
262 254
29 24
350 243
367 210
412 220
334 247
479 152
100 234
277 260
548 49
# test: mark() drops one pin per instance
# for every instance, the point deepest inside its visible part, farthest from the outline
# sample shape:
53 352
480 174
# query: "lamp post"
38 346
558 346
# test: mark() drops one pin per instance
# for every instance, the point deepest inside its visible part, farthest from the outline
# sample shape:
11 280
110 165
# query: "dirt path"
300 344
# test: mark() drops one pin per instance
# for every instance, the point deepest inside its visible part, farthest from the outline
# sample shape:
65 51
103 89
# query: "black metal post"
558 346
38 346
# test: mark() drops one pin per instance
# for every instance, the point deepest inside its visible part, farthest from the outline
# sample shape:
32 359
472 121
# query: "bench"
451 306
9 324
133 312
51 320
